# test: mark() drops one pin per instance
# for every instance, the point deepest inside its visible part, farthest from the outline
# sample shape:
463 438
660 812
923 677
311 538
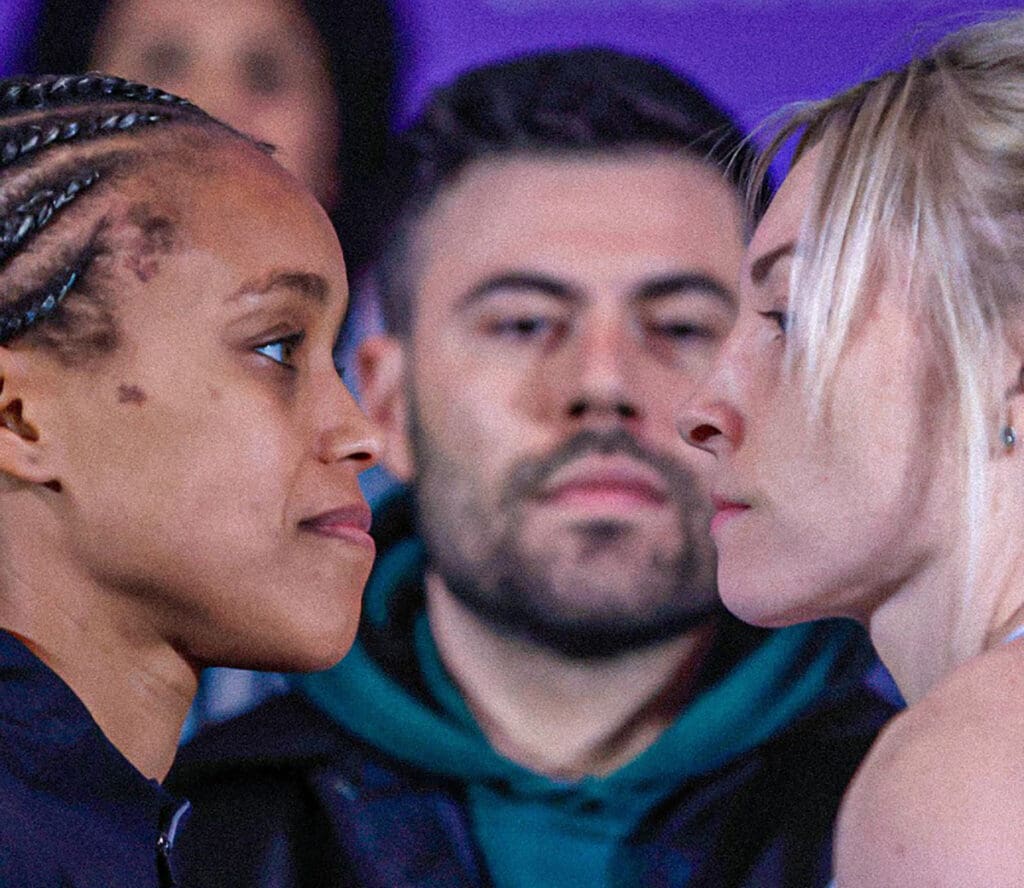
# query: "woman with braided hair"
178 457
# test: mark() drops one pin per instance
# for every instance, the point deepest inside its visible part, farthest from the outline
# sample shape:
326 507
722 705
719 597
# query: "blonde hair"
921 175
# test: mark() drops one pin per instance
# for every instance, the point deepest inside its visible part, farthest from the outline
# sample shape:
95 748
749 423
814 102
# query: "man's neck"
559 716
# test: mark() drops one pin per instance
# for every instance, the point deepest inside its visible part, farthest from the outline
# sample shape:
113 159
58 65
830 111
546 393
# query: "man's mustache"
529 478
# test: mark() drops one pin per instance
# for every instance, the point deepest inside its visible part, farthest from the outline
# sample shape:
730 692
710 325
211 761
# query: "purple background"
752 55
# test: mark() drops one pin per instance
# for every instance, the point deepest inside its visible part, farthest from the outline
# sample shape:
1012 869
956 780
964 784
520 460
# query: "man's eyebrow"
686 282
312 286
761 267
522 281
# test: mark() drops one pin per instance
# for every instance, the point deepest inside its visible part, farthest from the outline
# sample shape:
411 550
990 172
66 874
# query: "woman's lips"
725 511
348 523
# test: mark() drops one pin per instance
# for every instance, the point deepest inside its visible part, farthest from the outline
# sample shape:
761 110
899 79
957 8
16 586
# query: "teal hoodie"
393 692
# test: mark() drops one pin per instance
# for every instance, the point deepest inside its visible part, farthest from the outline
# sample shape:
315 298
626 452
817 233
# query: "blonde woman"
178 457
863 423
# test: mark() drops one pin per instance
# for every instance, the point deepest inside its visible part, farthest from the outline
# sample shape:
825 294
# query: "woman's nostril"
701 433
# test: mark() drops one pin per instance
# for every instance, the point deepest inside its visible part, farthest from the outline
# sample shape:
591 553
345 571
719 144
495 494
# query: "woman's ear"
23 455
382 384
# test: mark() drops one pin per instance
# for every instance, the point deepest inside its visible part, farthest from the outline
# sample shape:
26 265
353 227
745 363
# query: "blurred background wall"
753 55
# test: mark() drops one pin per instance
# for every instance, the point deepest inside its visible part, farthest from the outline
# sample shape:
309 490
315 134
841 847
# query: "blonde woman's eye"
782 319
281 350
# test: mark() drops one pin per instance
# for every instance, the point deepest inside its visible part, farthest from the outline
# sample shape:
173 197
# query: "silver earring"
1009 436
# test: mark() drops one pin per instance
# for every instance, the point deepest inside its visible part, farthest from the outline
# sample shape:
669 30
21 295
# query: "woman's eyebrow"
313 287
763 266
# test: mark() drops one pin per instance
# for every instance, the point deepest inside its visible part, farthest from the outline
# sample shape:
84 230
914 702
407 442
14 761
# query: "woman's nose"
712 418
349 434
710 424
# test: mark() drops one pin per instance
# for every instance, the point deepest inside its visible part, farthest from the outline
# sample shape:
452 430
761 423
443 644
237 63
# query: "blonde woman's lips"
725 511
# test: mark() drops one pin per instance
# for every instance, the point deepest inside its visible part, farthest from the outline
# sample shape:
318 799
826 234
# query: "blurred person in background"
313 78
546 690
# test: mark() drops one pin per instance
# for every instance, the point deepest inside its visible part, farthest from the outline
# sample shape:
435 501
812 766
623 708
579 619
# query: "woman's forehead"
226 187
249 219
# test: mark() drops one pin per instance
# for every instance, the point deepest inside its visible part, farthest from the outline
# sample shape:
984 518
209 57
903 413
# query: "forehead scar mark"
131 394
156 237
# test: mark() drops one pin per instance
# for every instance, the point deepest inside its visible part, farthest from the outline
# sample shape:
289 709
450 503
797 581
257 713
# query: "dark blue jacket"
74 812
366 786
284 798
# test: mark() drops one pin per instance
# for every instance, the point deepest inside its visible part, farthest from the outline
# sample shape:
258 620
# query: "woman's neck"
937 619
136 686
139 698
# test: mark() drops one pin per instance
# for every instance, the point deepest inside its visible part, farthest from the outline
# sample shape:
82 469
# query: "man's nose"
600 385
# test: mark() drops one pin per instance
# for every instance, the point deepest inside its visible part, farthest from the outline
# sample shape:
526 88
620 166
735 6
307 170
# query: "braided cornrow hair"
39 115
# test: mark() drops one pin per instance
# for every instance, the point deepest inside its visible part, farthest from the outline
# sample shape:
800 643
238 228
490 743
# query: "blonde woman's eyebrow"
763 266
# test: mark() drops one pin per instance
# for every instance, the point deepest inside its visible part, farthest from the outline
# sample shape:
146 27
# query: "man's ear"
23 456
382 384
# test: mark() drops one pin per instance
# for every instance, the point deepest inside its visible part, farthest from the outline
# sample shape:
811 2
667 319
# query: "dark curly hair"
360 41
585 101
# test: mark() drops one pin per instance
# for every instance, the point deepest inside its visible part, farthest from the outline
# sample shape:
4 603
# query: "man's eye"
165 61
524 327
681 330
264 73
281 350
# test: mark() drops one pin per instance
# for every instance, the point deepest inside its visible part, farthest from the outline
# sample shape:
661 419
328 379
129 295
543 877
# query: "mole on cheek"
130 394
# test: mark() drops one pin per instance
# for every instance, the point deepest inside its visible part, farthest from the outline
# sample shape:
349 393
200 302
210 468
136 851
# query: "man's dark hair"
587 101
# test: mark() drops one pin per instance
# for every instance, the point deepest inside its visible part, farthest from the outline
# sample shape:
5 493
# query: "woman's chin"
757 604
293 647
316 649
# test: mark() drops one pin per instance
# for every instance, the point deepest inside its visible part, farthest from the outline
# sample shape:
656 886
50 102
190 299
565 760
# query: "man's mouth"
605 483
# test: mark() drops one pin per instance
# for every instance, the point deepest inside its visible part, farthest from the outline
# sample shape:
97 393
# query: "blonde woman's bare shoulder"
940 799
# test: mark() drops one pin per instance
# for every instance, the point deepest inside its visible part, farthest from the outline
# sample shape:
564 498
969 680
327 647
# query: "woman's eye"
782 319
281 350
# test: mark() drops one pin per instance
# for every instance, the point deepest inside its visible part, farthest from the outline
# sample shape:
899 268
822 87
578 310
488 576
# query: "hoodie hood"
392 690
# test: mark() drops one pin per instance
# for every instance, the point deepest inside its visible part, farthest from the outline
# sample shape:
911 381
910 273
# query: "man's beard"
480 554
